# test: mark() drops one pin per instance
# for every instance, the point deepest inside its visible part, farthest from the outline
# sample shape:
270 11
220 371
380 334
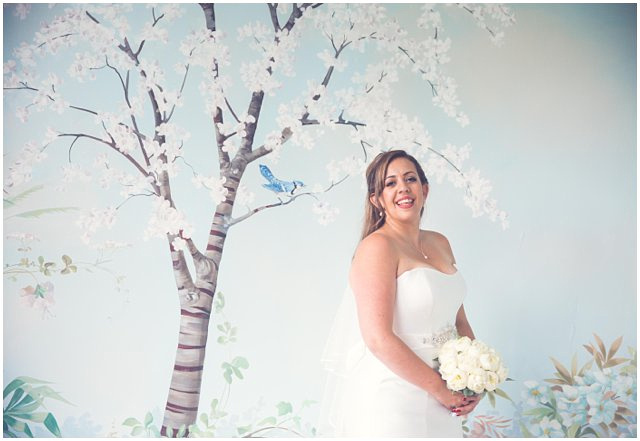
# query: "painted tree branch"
223 157
111 144
255 211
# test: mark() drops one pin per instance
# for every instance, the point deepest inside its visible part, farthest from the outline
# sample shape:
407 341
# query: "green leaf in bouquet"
284 408
204 418
155 433
137 431
51 424
182 431
492 399
227 376
503 394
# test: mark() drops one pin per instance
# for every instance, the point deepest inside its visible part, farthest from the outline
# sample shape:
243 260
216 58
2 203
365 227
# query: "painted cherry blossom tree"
106 50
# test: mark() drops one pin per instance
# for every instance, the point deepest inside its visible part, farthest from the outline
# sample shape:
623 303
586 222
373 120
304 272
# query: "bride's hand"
471 403
450 399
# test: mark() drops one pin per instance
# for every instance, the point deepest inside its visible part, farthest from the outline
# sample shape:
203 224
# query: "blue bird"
277 185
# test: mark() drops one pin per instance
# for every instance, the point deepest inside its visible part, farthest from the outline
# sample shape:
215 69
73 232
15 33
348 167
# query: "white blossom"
244 196
167 220
22 10
91 220
326 212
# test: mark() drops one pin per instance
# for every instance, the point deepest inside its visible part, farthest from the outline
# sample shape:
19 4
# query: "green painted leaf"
18 393
19 197
66 259
243 429
51 424
12 386
131 422
27 430
36 417
47 392
148 419
42 212
138 430
237 372
240 362
269 421
525 431
227 376
307 403
284 408
18 425
214 404
539 412
573 430
154 432
204 418
182 431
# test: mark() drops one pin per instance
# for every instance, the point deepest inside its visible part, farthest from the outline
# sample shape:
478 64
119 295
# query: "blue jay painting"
277 185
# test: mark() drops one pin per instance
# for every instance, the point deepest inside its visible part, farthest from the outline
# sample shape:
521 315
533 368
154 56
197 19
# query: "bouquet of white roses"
470 366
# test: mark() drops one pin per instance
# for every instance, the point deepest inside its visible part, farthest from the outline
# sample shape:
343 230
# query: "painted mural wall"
182 177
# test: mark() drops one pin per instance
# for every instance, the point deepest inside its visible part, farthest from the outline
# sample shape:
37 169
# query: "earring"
381 213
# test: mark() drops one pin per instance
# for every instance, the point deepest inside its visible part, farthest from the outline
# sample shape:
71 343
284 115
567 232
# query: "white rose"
502 373
447 355
447 370
457 380
489 361
492 381
480 346
462 344
477 380
468 362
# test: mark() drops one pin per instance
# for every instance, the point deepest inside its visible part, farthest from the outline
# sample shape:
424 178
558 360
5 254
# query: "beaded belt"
435 339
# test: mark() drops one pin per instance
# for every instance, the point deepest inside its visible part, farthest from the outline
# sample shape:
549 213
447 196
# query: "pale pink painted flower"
39 298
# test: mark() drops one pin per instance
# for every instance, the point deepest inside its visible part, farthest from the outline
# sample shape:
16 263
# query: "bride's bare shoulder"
434 236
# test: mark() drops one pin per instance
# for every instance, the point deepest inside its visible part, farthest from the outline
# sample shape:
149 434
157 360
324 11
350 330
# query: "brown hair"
374 218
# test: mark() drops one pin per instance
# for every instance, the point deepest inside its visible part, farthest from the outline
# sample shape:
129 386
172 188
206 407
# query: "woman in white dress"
403 301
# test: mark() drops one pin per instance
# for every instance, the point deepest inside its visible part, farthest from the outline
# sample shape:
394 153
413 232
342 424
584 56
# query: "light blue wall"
553 126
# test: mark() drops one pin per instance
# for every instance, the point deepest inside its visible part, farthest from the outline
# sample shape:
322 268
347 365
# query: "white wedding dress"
364 398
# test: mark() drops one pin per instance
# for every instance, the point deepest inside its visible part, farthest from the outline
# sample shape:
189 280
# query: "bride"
404 300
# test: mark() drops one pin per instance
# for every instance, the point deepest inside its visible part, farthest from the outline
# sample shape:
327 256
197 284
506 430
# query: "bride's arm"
462 324
373 281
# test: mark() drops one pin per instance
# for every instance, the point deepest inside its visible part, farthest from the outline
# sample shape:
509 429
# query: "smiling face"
403 195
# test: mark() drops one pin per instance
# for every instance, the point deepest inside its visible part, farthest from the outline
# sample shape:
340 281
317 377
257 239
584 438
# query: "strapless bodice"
427 301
